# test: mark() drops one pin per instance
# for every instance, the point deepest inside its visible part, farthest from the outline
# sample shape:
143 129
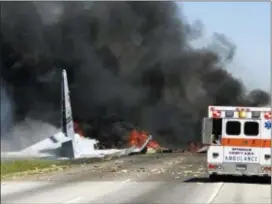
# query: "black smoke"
129 64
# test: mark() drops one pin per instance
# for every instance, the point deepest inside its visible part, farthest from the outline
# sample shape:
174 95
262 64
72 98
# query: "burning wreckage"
161 87
71 142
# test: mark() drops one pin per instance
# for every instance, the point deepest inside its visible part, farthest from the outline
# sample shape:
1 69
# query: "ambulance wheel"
214 177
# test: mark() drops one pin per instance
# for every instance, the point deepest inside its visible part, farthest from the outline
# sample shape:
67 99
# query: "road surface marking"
215 193
126 181
74 200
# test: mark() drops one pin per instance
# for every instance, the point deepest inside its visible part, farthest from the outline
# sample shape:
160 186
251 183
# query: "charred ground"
129 64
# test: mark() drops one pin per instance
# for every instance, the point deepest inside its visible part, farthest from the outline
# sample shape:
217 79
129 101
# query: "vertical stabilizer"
67 117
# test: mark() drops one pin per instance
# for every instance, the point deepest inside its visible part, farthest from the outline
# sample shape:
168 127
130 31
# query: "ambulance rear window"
233 128
251 128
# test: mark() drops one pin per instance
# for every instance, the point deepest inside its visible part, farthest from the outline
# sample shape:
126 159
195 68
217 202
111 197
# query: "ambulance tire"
214 177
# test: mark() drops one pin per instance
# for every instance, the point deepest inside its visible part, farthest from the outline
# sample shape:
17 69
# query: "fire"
78 130
138 138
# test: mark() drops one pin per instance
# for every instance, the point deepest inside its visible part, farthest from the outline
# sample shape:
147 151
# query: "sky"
248 25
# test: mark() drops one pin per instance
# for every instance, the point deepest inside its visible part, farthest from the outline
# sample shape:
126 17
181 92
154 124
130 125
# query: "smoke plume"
129 64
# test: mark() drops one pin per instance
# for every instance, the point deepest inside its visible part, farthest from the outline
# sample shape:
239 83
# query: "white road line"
126 181
215 193
74 200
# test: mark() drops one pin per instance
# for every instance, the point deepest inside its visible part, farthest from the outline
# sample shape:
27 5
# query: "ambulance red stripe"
238 142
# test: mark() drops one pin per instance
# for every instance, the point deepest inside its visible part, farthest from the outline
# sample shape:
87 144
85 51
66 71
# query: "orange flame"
78 130
138 138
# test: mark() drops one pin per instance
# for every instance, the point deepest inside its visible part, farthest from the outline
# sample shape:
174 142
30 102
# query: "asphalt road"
165 178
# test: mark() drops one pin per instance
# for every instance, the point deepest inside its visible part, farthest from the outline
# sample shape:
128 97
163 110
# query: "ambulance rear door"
241 141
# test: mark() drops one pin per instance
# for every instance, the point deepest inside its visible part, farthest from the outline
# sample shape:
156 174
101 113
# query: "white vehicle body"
243 145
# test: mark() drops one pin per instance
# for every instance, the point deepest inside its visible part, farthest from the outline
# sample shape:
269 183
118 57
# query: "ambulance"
239 140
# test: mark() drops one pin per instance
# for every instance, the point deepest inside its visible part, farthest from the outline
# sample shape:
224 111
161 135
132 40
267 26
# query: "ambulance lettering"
241 158
241 155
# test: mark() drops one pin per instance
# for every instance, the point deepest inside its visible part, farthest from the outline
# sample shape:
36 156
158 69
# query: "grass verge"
18 168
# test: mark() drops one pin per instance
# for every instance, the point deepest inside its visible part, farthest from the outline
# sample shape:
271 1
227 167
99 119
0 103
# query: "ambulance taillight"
266 168
214 166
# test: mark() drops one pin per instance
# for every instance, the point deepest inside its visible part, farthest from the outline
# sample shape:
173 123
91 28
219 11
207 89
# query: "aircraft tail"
69 148
67 117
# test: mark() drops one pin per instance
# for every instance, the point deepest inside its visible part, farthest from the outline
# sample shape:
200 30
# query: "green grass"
37 166
15 166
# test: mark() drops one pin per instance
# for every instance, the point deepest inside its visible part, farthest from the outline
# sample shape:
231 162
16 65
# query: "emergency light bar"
238 112
229 114
267 115
242 114
255 114
216 114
